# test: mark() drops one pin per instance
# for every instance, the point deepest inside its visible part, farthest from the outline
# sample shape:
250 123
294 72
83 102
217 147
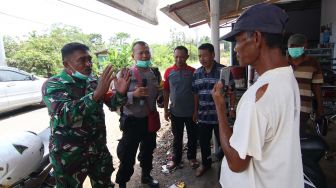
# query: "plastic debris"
179 184
165 169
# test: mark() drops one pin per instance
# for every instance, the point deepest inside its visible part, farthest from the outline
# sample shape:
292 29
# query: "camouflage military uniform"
78 133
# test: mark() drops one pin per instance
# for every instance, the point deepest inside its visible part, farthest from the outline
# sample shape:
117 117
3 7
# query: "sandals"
194 163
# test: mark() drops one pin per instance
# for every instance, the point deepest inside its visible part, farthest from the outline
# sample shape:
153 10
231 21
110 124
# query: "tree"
119 39
40 53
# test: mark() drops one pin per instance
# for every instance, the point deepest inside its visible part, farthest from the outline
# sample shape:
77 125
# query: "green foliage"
40 53
205 39
162 55
119 57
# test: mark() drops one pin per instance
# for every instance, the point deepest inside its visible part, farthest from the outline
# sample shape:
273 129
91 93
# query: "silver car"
18 89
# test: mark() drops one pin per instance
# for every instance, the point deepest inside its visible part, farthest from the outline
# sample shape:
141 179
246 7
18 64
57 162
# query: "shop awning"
193 13
142 9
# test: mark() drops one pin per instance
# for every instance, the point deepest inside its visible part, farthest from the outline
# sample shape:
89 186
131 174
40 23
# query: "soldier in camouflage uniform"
78 133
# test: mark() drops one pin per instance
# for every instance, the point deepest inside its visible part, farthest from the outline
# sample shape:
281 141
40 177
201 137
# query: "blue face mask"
80 75
143 64
296 52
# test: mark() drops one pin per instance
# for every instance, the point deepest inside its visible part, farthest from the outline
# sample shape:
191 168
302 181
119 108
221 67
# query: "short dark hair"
70 48
181 48
272 40
207 46
138 42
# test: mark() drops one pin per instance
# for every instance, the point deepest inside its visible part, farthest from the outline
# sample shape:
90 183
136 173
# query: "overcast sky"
18 17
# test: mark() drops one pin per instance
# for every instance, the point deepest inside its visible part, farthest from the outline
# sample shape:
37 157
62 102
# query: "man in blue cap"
263 150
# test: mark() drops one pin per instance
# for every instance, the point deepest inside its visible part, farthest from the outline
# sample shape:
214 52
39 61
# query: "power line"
21 18
98 13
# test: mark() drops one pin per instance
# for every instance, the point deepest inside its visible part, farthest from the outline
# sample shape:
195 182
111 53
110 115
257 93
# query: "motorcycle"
313 148
24 160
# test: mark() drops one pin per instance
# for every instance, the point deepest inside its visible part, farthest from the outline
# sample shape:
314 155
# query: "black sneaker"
152 183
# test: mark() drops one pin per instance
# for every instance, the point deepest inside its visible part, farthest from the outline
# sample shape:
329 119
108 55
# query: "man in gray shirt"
177 88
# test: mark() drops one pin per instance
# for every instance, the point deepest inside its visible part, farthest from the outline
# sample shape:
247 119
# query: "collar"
213 69
180 68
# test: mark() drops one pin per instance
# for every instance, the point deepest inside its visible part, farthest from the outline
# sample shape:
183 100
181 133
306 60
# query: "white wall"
328 15
2 52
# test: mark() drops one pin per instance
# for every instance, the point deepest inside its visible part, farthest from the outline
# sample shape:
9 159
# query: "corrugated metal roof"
196 12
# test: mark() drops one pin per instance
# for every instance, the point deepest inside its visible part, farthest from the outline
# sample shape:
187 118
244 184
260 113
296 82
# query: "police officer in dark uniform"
142 95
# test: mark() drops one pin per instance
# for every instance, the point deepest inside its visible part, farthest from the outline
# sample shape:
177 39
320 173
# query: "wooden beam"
206 2
173 9
237 4
198 23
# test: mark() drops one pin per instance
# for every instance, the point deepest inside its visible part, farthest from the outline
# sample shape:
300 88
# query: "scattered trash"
165 169
180 184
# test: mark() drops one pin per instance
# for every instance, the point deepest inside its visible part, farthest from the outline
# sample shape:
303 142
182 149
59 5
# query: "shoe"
122 185
194 163
152 183
201 170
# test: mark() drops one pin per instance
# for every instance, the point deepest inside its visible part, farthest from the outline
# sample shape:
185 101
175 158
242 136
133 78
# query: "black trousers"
205 135
304 117
135 133
178 129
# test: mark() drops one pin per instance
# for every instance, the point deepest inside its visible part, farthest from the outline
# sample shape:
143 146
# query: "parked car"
18 89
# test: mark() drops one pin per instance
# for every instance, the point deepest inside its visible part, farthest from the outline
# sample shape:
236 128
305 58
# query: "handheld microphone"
144 84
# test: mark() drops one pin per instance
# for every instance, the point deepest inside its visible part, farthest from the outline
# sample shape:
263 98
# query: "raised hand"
217 94
104 83
122 83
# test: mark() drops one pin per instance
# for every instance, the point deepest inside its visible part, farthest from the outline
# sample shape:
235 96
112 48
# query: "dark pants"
177 129
135 133
304 117
205 135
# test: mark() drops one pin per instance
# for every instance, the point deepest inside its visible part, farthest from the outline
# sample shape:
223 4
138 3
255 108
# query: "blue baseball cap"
263 17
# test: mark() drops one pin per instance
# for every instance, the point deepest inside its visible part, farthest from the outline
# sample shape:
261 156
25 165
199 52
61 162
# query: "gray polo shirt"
178 82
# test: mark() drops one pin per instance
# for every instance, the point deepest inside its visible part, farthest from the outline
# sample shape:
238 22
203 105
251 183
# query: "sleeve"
317 74
249 132
65 109
166 80
114 100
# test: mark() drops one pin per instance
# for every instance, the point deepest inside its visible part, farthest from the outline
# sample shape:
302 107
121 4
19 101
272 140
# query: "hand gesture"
103 83
140 92
217 94
122 83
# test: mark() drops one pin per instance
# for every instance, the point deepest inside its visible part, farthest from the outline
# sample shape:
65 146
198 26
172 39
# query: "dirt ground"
164 143
36 119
